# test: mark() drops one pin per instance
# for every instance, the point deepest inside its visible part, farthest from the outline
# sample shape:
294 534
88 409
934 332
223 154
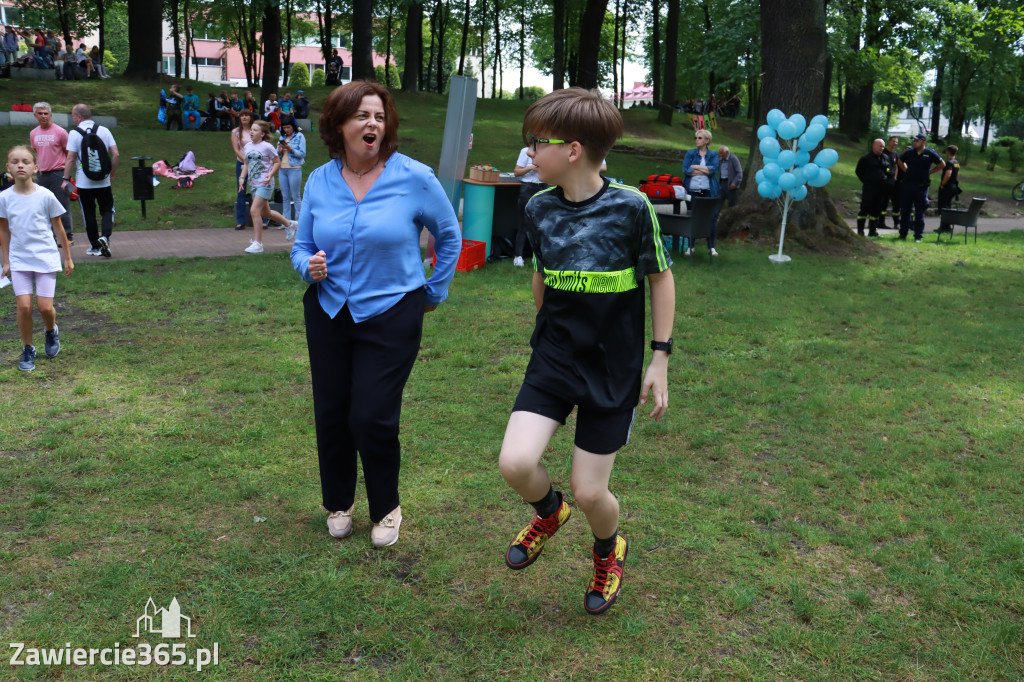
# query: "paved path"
984 225
226 241
208 242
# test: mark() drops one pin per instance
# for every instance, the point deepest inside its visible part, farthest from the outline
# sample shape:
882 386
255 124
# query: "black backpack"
93 154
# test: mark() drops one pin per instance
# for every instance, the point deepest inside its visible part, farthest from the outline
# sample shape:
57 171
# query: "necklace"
357 173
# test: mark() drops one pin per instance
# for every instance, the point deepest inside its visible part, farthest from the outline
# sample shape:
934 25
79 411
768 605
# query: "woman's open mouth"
370 139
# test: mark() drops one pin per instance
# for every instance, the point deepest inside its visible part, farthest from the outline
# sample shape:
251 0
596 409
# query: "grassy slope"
497 140
834 493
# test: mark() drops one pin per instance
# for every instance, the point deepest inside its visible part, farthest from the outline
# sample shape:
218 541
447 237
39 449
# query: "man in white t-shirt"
531 184
92 192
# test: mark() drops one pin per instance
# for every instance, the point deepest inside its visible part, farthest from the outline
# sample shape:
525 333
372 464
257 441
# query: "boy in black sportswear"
595 244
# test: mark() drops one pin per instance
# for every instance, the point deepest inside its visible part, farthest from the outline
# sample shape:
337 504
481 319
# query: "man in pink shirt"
51 144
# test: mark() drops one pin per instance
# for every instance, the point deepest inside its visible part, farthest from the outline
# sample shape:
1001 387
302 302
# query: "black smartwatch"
663 345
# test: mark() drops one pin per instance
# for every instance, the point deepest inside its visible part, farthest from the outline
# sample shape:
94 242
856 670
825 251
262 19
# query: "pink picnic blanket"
161 168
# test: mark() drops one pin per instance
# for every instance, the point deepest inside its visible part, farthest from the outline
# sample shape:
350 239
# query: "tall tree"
325 26
286 43
654 56
413 47
101 29
588 71
668 94
793 71
271 48
145 20
558 27
465 40
173 10
362 40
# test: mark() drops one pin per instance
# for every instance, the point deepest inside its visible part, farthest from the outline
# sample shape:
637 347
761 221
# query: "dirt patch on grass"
69 316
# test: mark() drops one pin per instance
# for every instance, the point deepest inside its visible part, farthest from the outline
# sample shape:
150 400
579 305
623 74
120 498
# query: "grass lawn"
834 494
497 140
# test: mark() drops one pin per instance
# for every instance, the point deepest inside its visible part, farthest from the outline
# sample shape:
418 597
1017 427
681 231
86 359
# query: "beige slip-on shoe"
385 533
340 523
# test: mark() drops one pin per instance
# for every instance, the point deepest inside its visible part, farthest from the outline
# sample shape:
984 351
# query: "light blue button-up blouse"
373 246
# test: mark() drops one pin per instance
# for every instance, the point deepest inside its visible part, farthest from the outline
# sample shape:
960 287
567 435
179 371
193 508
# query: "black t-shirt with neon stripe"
588 343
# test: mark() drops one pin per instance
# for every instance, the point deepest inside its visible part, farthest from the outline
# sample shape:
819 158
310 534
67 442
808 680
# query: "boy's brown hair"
577 115
952 149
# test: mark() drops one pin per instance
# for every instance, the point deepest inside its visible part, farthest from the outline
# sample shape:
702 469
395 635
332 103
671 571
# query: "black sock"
603 548
548 504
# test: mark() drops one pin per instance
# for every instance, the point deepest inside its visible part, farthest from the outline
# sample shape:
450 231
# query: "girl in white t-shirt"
29 223
260 165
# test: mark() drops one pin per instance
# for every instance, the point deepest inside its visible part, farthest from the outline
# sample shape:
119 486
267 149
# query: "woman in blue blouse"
291 147
358 245
700 167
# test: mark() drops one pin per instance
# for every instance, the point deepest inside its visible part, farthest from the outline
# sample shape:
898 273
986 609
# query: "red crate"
473 256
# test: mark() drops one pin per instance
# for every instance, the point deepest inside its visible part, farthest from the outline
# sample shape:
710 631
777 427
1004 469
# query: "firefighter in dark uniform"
875 173
895 187
917 165
949 186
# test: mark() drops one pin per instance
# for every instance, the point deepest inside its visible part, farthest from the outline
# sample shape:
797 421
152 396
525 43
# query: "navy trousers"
359 371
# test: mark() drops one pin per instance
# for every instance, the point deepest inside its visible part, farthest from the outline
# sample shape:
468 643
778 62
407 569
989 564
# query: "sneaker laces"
540 526
387 522
602 567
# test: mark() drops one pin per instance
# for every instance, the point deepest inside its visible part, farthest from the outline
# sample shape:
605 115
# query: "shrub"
395 80
1016 154
1006 141
319 77
298 77
993 158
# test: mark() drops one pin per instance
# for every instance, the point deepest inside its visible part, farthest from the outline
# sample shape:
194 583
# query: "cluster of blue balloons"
791 170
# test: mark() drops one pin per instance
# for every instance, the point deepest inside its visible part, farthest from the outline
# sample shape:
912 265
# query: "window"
12 16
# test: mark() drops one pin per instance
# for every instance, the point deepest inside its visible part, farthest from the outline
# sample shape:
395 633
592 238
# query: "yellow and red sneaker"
528 545
607 581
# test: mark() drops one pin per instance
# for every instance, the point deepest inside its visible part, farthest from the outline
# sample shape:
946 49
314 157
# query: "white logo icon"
170 620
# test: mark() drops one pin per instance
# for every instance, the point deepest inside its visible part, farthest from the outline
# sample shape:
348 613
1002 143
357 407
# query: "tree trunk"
668 96
287 44
483 50
793 71
988 113
656 52
433 41
62 19
588 73
188 34
625 33
101 10
325 25
387 54
940 72
413 42
616 91
145 20
558 30
495 85
177 39
271 49
465 40
362 40
522 48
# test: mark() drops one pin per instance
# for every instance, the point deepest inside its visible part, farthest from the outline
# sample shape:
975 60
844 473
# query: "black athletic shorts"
597 431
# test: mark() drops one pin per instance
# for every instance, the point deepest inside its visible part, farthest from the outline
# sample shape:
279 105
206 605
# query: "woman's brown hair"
343 103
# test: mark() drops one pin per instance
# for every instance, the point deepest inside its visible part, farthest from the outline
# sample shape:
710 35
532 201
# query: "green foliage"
394 77
1016 155
298 76
1007 141
993 158
319 77
1010 126
531 93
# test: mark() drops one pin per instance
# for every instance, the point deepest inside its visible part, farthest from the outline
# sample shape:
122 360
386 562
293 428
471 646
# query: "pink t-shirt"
51 146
